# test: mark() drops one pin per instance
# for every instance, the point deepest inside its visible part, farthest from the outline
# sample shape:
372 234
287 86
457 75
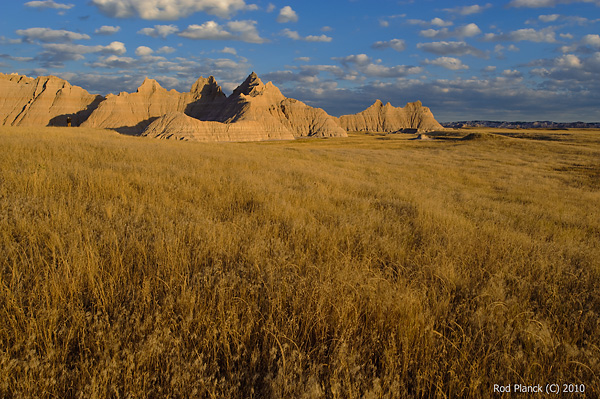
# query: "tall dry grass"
365 267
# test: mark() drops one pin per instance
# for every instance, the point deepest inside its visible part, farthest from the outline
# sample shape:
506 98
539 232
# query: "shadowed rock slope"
43 101
254 111
131 113
389 119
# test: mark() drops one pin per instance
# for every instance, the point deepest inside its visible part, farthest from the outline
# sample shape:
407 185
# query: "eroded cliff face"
179 126
131 113
387 118
255 101
43 101
254 111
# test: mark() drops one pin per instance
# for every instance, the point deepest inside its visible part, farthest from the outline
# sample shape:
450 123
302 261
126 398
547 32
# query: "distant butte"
254 111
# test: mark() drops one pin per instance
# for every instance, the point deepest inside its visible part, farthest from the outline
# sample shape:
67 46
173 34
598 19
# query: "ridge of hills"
254 111
523 125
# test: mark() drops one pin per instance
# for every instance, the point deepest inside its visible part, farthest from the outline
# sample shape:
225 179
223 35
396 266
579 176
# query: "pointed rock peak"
251 83
149 86
377 103
416 104
206 87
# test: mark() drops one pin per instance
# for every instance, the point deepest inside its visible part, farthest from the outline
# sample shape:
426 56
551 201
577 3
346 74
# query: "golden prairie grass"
364 267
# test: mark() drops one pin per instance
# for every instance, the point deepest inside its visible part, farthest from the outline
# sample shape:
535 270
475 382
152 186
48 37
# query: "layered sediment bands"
43 101
254 111
387 118
179 126
131 113
255 101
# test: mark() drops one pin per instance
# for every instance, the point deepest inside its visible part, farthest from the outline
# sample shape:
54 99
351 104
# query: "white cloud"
55 54
468 30
569 61
434 22
207 31
547 3
166 50
286 14
592 40
159 31
245 31
291 34
169 9
396 44
546 35
228 50
114 61
468 10
271 7
117 48
143 51
49 4
48 35
234 30
319 38
107 30
549 18
451 48
489 69
451 63
294 35
364 64
508 73
302 59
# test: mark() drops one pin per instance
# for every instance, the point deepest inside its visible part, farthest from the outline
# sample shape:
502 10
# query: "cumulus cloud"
159 31
468 30
546 35
451 48
168 9
234 30
286 14
49 4
229 50
48 35
294 35
434 22
592 40
142 51
549 18
364 64
396 44
166 50
468 10
55 54
114 61
451 63
107 30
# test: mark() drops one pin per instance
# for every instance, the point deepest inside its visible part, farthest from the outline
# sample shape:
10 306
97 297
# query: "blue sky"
500 60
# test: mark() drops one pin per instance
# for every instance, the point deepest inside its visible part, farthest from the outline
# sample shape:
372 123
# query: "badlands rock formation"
389 119
131 113
43 101
254 111
258 102
179 126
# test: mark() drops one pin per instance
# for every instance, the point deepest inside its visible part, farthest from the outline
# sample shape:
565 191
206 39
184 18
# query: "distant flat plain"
362 267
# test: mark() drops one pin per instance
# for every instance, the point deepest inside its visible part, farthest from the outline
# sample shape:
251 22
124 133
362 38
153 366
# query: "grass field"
363 267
